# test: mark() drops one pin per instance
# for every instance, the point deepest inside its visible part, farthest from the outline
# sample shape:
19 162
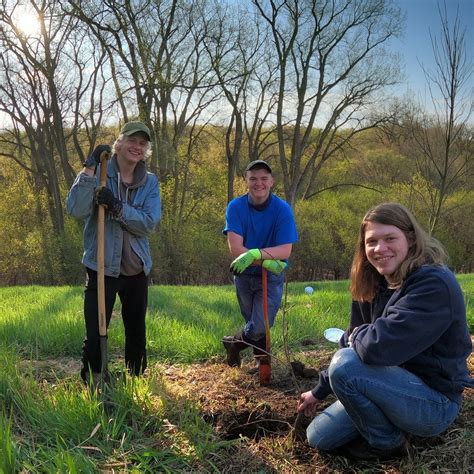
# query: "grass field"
191 412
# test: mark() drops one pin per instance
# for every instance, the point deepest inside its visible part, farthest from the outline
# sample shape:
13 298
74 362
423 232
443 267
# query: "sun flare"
28 23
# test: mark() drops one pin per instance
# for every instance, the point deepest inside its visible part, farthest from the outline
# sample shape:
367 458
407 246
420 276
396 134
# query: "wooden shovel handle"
101 249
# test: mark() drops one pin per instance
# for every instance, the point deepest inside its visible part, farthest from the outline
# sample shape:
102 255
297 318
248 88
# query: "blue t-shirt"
268 227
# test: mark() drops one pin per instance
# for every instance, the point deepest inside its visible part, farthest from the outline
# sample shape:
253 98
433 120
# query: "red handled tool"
265 368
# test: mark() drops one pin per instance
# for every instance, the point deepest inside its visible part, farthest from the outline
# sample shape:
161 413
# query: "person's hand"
307 403
244 260
274 266
351 337
105 197
94 157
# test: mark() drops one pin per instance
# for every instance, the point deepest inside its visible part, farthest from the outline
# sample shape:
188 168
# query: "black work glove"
94 157
105 197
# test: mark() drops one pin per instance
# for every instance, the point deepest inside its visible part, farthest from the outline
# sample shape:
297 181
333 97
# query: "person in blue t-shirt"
261 231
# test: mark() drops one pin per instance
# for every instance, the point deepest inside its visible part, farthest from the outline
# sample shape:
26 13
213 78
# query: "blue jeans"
381 403
249 295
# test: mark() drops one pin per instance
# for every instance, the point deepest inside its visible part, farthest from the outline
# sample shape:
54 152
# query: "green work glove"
244 260
274 266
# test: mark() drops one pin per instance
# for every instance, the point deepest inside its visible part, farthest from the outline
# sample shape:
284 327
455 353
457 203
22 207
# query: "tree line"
302 84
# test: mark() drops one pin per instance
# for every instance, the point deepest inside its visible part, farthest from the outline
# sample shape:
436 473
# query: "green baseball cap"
130 128
262 163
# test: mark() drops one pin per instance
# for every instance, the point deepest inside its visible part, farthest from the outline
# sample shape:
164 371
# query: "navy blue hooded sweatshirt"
421 327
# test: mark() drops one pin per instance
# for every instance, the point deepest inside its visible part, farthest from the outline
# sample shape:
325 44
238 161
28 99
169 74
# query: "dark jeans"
133 293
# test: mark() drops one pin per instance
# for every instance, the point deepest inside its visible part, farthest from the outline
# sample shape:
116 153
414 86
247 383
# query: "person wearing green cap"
133 209
261 230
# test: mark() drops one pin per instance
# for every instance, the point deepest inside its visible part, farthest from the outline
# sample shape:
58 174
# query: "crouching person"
402 366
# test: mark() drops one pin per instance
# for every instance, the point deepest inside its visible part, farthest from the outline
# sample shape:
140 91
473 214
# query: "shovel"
265 368
101 275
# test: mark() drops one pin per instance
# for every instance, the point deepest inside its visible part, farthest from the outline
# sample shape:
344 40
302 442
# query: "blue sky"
422 17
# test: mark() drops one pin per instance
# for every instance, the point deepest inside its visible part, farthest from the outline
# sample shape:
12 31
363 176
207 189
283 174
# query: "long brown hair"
423 249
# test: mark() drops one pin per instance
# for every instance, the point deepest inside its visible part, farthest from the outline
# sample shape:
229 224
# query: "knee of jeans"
318 440
341 363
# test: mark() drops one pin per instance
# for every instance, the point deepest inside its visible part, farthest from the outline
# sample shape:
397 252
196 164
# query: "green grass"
467 284
42 321
64 427
50 424
184 323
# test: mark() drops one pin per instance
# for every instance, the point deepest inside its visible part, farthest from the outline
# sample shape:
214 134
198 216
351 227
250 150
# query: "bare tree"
156 55
91 103
331 65
42 97
44 92
442 141
238 49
